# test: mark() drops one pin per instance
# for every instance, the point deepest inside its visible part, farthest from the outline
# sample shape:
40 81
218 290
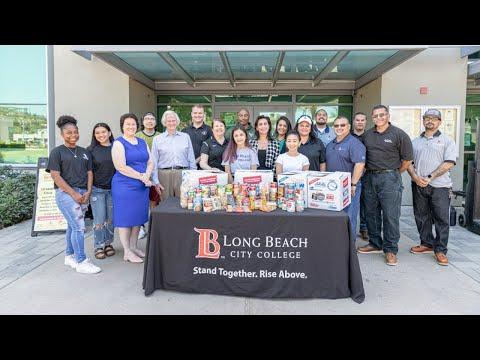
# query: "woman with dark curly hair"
71 169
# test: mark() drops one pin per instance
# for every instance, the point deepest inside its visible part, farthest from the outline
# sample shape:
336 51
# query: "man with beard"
321 130
434 154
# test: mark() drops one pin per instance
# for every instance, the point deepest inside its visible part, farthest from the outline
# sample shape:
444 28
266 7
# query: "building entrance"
228 113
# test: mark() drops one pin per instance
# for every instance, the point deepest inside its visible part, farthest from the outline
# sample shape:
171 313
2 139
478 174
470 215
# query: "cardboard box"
204 177
253 177
328 190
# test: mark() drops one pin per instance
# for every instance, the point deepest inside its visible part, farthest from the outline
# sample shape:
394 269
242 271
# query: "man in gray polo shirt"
434 155
389 153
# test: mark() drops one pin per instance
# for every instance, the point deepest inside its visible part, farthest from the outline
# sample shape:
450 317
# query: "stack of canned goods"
243 197
291 197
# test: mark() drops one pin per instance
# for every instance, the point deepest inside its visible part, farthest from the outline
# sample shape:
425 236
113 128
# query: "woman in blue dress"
130 186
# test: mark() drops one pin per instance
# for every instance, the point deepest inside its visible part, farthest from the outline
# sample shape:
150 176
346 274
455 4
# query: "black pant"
429 204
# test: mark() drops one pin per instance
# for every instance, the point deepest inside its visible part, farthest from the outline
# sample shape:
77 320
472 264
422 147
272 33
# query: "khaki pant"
171 181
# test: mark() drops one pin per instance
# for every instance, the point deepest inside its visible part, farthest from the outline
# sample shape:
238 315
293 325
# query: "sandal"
109 250
100 254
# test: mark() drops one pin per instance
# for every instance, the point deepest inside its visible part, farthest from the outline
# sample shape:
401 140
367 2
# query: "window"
184 112
334 105
472 117
23 104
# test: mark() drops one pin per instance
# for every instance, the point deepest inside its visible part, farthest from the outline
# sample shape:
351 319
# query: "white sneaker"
70 261
141 233
86 267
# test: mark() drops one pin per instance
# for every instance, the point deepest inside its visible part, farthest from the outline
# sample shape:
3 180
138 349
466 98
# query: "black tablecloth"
285 255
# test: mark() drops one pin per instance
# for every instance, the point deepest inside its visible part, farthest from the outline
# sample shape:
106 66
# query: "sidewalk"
33 280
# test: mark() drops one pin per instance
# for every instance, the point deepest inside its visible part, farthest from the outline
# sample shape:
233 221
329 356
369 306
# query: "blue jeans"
363 218
353 208
383 200
101 202
74 214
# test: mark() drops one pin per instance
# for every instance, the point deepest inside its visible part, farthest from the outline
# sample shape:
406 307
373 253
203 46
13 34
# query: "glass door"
274 112
228 113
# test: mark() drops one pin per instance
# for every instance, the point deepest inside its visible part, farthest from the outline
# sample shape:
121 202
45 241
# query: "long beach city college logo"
206 239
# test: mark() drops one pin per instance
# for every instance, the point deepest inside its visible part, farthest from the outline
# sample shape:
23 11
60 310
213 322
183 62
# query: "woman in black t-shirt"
101 199
71 169
212 149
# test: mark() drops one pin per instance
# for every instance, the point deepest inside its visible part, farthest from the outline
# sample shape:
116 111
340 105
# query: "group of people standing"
121 177
113 175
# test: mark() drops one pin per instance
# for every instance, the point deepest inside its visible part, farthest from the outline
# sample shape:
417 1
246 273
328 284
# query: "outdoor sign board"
47 218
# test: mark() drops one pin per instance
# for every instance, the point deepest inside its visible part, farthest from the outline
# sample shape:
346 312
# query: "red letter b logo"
206 238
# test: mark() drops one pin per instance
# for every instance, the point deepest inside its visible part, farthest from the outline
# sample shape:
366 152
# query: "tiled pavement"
463 246
21 253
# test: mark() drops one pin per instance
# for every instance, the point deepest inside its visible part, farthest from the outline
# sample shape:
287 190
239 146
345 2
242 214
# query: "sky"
23 75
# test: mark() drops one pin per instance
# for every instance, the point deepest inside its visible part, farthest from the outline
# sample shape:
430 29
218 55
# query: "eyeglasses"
382 115
339 125
431 119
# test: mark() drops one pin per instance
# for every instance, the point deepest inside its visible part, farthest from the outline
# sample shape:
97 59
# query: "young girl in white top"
292 160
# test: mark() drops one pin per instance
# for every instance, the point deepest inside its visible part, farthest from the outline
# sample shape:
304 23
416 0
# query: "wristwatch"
429 176
354 184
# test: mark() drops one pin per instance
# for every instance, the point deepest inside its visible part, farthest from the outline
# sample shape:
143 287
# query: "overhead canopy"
226 67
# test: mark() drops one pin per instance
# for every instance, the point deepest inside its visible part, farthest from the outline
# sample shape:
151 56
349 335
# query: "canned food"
273 194
244 189
299 206
197 203
213 190
290 206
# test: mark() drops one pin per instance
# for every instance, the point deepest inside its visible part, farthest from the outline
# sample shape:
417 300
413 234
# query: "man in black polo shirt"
359 125
198 131
389 153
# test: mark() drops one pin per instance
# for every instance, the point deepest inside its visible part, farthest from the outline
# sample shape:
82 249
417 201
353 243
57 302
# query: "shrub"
17 190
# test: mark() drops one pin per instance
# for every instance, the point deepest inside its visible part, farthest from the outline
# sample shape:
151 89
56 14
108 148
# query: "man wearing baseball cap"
434 154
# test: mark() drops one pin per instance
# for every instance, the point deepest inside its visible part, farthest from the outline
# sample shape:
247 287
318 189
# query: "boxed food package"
253 177
204 177
328 190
